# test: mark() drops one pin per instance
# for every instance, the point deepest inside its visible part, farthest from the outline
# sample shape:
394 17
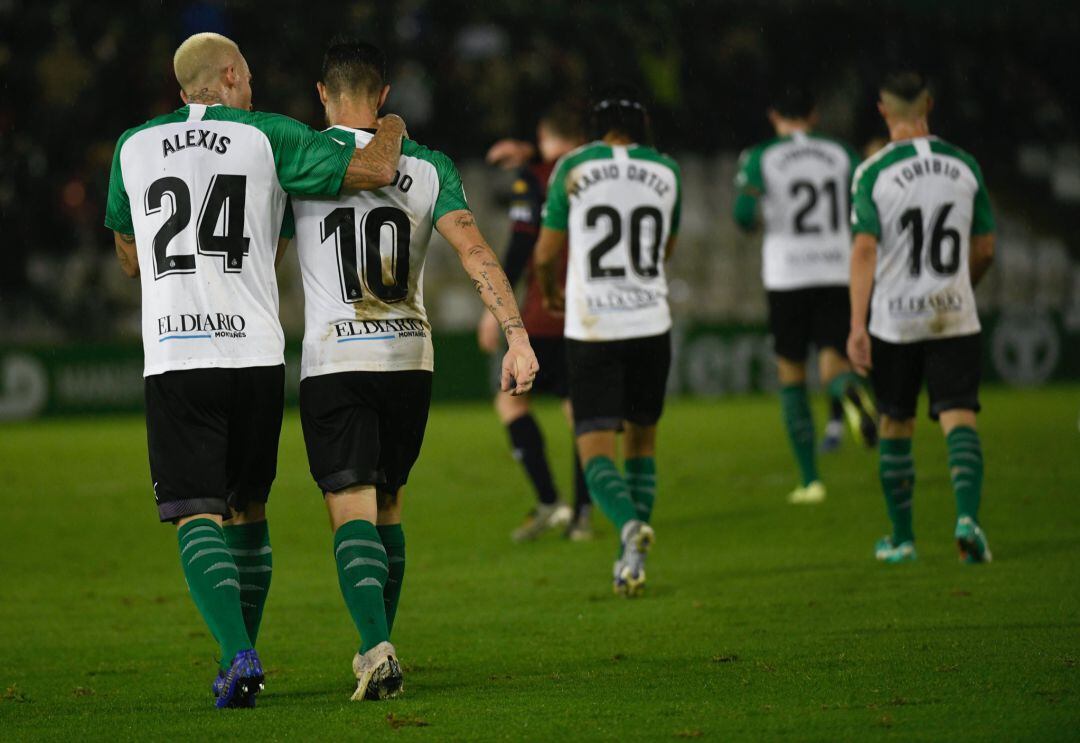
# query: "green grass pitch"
761 621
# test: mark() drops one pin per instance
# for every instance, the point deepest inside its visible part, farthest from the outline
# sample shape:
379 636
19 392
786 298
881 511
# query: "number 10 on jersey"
340 225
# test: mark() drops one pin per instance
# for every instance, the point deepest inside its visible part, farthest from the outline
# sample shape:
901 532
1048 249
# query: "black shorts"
798 317
951 368
616 381
363 427
213 438
551 379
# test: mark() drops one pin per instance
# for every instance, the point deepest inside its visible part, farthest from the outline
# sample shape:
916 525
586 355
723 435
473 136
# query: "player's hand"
519 368
555 305
488 333
510 154
858 350
404 129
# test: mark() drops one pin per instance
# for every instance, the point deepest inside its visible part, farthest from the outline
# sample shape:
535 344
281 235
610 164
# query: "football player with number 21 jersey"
367 364
801 179
616 203
924 236
195 202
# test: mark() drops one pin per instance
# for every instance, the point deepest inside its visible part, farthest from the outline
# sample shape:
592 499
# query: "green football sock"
897 470
800 428
213 581
393 539
362 571
608 490
641 478
842 381
250 547
966 470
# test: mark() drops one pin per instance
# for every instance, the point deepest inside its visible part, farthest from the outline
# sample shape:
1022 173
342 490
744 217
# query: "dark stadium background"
74 75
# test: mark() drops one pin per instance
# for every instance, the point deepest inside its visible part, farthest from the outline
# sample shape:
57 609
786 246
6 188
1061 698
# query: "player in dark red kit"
559 131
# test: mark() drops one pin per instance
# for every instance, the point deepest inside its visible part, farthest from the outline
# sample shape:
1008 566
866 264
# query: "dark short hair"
353 66
793 101
566 119
907 85
619 109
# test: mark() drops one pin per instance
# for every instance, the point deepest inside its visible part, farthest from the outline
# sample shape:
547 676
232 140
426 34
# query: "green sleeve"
556 214
982 218
451 193
308 163
745 211
864 213
748 178
118 207
749 186
288 222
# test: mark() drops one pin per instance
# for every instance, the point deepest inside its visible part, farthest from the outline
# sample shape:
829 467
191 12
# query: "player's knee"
354 503
389 505
956 418
831 363
593 444
639 441
790 372
252 513
895 428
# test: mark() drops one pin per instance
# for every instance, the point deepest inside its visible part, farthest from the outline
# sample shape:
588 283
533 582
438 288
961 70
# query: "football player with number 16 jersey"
924 236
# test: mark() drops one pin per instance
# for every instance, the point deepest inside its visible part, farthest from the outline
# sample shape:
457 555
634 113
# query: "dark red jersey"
526 204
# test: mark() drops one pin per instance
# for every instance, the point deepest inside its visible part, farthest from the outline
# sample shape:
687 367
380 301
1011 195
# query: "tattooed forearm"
491 284
489 280
374 166
206 96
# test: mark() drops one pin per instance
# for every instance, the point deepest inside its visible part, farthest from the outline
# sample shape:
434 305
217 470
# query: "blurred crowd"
75 75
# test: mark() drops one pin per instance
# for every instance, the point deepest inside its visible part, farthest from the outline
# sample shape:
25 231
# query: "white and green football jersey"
362 258
922 199
802 182
619 205
203 190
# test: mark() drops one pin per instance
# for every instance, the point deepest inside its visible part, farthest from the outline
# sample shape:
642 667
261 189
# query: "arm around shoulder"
373 167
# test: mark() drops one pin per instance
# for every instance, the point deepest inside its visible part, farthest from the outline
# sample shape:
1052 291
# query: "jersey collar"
362 135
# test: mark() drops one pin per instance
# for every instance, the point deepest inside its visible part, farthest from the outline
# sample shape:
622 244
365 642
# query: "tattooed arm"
127 253
478 259
374 166
549 244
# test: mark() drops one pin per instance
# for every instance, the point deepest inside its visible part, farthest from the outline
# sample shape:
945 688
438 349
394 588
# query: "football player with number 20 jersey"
616 203
801 180
366 373
195 202
924 236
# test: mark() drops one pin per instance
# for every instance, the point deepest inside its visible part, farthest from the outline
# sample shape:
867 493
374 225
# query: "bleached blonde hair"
201 59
